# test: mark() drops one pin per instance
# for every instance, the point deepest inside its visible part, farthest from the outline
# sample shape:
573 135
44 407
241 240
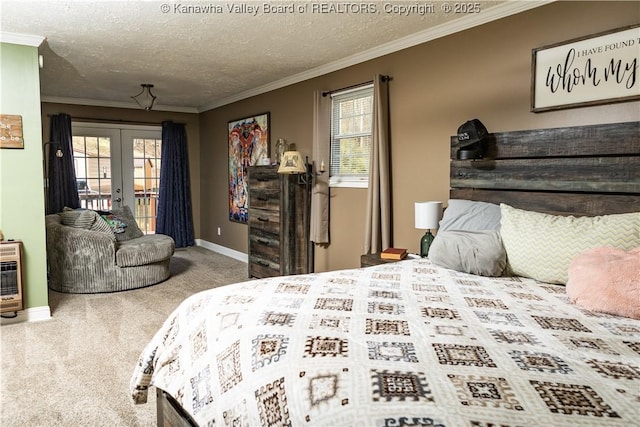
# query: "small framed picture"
11 131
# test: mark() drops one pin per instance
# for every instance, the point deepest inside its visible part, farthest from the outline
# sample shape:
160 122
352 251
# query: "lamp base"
425 243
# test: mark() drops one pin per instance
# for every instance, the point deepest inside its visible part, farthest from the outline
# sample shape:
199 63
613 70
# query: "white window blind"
351 117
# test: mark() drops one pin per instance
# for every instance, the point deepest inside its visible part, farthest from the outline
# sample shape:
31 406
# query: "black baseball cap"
471 132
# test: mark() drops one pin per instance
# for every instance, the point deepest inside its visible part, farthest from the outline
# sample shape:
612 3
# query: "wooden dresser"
278 224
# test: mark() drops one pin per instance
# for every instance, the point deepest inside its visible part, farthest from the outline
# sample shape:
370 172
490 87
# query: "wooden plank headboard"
582 170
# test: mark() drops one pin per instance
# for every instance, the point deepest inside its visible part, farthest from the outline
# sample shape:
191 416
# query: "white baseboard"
232 253
34 314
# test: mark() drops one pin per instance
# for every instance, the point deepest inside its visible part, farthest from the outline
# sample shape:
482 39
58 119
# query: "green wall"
21 170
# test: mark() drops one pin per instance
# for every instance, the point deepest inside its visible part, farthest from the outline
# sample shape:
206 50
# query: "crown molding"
492 14
21 39
116 104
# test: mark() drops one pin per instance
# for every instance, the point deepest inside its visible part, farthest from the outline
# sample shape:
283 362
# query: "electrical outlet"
219 231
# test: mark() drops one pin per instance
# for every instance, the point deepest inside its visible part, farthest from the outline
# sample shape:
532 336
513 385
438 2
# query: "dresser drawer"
260 268
265 245
264 254
265 220
268 199
263 178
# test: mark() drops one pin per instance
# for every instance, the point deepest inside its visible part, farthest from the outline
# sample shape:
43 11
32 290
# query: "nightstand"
374 259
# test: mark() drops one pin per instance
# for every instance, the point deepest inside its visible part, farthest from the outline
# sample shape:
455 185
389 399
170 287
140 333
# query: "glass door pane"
146 147
96 176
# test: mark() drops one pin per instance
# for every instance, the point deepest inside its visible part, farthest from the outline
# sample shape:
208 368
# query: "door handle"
118 199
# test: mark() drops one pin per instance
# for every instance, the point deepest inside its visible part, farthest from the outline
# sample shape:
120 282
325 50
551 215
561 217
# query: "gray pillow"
78 218
85 219
475 252
131 231
470 215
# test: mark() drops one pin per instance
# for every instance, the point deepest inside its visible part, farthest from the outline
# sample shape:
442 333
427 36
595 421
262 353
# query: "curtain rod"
115 121
329 92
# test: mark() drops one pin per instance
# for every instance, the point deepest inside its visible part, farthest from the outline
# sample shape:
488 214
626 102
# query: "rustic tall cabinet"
279 211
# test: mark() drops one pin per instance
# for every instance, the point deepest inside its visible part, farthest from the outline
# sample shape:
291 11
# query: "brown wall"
480 73
131 115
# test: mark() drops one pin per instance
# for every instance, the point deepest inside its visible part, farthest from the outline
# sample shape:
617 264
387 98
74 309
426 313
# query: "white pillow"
542 246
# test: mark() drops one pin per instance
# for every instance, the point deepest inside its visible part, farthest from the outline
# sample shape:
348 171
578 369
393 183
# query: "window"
351 117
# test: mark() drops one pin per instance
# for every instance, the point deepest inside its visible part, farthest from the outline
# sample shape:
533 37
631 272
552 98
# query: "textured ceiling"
100 52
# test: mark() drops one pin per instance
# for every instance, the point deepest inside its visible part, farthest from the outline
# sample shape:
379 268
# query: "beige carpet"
74 369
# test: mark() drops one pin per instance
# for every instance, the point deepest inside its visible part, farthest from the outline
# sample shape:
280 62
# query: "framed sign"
11 131
248 144
599 69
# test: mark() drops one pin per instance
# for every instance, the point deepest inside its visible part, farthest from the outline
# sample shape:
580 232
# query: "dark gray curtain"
174 216
62 189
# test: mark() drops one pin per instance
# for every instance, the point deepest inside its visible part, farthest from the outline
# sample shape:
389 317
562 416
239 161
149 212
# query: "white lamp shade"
292 163
428 215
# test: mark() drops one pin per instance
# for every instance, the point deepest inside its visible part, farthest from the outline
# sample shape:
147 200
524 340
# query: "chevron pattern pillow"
541 246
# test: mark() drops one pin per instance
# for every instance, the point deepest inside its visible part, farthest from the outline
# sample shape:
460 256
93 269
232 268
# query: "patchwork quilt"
400 344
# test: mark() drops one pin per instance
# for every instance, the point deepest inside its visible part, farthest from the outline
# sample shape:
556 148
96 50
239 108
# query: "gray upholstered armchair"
84 254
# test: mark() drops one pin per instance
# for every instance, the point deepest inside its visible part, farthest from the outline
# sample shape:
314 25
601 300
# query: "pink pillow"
606 280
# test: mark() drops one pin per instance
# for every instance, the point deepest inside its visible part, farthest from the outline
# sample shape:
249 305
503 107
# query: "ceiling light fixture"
145 99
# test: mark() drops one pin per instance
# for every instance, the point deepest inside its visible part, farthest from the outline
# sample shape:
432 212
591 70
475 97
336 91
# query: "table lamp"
292 162
427 217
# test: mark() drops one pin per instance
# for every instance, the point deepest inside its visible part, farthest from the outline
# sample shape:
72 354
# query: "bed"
415 343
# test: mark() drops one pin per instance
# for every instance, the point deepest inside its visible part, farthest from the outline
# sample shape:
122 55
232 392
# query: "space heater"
10 276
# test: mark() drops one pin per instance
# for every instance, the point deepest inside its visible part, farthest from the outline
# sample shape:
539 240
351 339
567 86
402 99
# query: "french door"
118 166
